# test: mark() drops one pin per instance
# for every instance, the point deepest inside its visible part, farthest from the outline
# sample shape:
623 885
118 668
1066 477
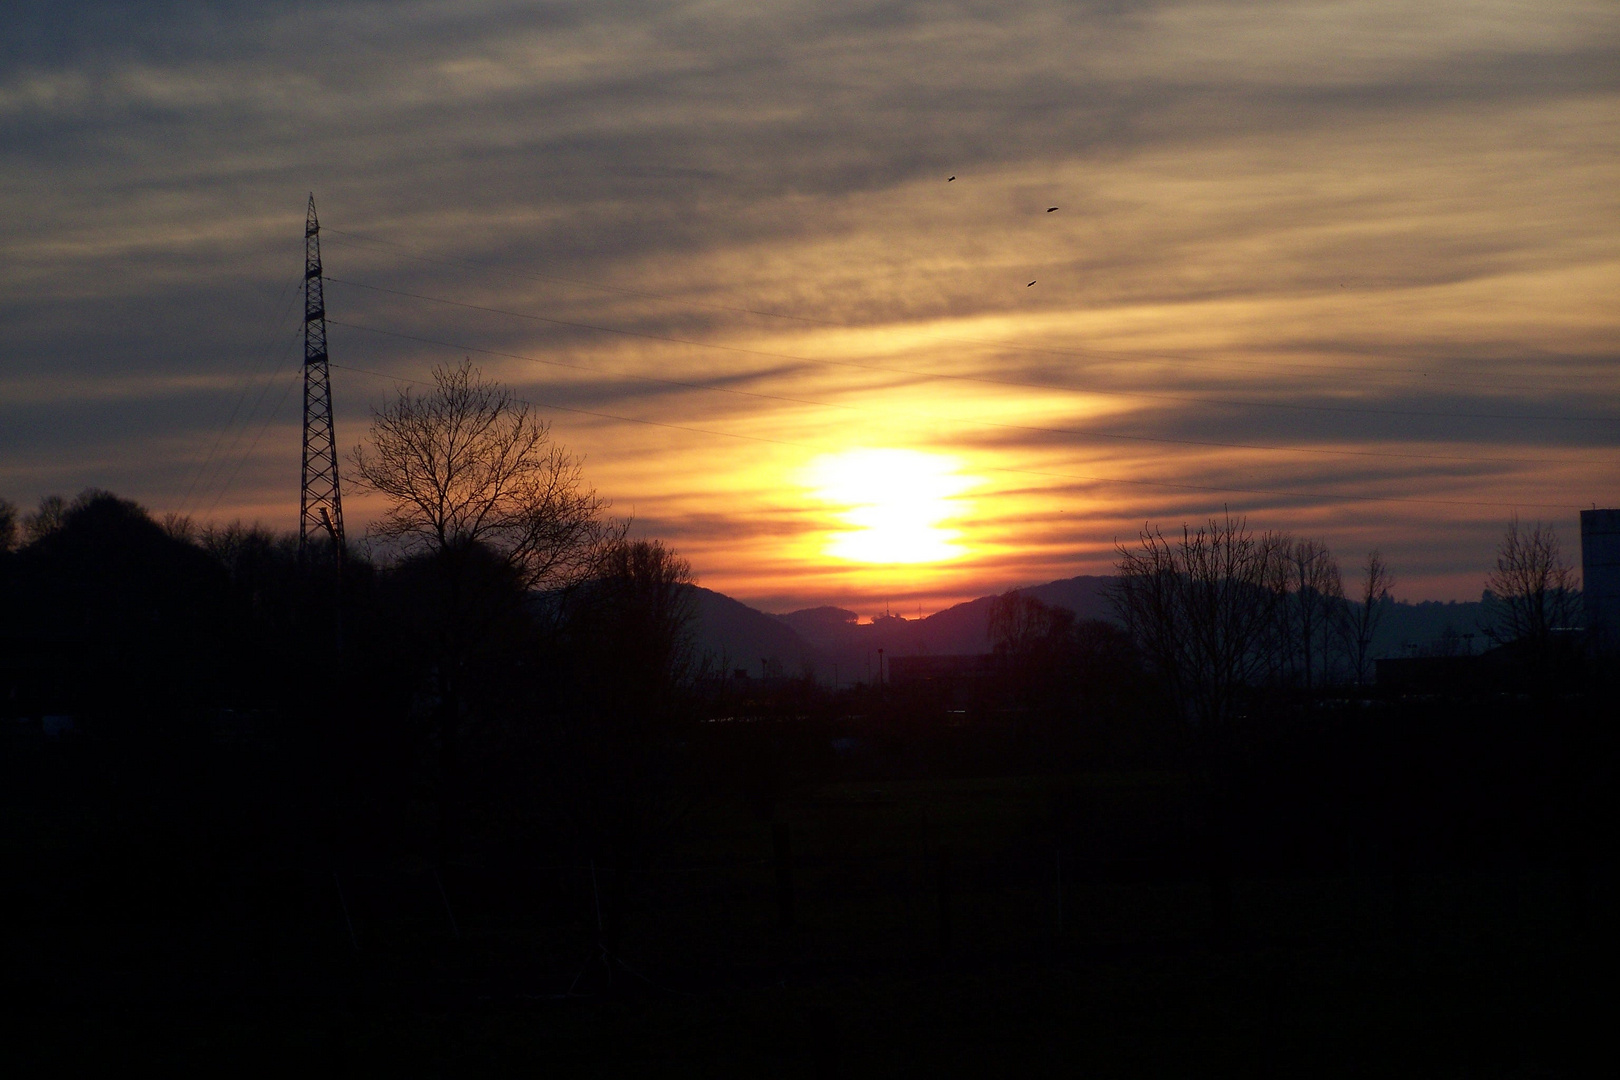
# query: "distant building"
911 670
1437 674
1600 575
960 684
1516 667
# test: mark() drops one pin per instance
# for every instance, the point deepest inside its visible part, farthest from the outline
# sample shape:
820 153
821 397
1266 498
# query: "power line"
269 378
282 304
799 444
915 373
254 445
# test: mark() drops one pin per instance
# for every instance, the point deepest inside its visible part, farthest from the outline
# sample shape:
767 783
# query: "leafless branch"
466 463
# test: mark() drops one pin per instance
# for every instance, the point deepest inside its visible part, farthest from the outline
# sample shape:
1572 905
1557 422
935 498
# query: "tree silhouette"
130 613
626 648
47 518
1316 592
1358 622
1205 610
1020 624
486 507
466 464
1531 593
8 525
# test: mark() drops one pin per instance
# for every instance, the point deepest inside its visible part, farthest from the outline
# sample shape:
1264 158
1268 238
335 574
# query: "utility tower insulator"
320 503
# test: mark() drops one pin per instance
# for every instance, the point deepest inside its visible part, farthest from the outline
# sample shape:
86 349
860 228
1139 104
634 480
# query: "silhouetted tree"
1035 649
1108 670
486 507
459 627
1530 594
47 518
1315 594
1020 624
8 525
627 647
131 614
280 608
466 464
1205 610
180 526
1358 621
255 557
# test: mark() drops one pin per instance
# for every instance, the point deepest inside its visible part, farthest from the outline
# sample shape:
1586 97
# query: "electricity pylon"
320 503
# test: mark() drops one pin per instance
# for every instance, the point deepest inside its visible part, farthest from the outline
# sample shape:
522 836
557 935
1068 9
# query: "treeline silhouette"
420 813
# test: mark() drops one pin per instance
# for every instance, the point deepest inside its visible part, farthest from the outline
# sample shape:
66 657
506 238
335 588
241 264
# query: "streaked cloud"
1308 256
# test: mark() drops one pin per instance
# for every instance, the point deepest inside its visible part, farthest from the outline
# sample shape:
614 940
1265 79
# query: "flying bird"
1049 209
1031 283
948 179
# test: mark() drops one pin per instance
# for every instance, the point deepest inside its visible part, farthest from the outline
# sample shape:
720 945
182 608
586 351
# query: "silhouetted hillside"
828 638
1424 626
730 635
965 628
823 627
962 628
1085 595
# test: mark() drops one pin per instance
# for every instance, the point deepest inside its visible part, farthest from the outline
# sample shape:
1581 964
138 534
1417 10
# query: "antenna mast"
320 504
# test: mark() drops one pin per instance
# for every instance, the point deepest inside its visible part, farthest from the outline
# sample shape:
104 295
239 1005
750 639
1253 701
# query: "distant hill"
1418 626
835 641
825 640
1085 595
965 628
733 635
822 627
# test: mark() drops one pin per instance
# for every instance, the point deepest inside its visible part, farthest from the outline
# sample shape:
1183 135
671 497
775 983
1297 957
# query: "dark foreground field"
993 926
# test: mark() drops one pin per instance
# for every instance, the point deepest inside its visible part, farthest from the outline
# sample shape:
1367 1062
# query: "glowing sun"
896 504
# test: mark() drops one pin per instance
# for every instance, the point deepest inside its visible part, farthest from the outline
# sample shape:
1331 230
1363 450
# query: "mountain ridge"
829 643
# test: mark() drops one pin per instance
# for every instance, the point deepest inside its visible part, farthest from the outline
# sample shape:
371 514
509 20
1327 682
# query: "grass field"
992 927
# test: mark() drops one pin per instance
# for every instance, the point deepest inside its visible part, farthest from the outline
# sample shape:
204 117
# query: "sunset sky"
1350 269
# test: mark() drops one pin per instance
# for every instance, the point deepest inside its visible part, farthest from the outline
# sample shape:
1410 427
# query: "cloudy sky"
1350 269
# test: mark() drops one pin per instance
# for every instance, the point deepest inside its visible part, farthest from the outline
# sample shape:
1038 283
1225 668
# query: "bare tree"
1204 610
640 599
1020 624
487 507
180 527
1035 647
466 464
1359 621
627 652
8 525
1316 591
1532 590
47 519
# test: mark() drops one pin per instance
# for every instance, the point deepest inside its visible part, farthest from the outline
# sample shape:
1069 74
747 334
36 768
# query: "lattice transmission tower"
320 503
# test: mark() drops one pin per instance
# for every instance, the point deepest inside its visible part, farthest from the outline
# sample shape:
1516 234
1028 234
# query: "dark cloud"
1379 228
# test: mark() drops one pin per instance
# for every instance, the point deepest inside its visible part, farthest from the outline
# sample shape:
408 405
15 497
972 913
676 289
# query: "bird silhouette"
948 179
1049 209
1031 283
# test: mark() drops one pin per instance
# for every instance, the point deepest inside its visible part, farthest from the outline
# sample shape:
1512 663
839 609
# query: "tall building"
1600 574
